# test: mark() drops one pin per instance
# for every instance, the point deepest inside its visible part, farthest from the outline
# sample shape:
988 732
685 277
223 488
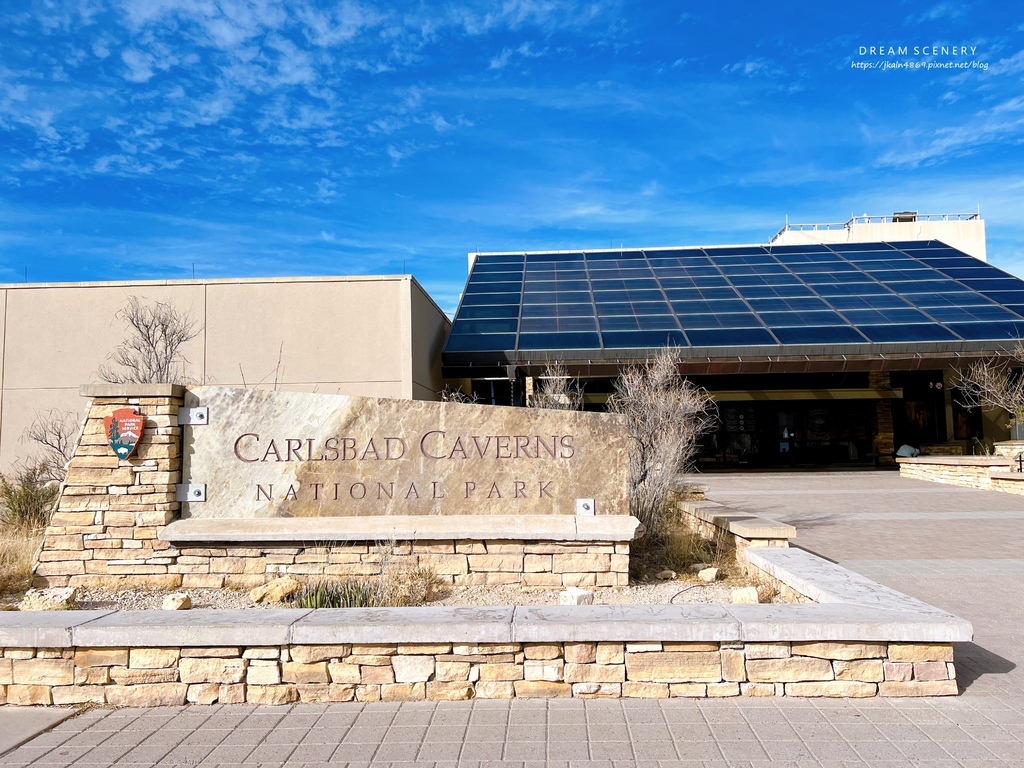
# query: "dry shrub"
666 416
151 351
418 586
26 498
676 546
456 395
53 433
17 553
767 589
994 383
556 390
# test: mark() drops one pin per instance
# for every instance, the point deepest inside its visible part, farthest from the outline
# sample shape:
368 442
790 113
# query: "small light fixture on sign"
584 506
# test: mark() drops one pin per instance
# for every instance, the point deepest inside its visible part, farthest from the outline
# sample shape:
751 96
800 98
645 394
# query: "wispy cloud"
940 11
347 136
1008 66
755 66
916 147
508 55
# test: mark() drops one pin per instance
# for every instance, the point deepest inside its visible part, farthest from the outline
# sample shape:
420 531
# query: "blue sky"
145 139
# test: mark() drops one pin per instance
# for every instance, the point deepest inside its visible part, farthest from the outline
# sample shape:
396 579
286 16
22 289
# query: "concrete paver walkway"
960 549
21 724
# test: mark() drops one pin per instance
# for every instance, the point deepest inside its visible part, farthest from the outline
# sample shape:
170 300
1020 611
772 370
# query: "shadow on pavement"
972 662
807 521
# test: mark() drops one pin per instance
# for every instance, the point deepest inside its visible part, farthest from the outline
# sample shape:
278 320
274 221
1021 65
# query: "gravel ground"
684 590
681 591
149 599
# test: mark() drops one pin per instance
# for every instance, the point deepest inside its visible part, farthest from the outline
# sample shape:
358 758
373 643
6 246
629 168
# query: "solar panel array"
863 293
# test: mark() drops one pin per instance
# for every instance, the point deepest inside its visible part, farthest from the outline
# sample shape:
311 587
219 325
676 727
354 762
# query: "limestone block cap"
132 390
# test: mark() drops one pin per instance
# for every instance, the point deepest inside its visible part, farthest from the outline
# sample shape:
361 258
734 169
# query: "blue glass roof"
812 299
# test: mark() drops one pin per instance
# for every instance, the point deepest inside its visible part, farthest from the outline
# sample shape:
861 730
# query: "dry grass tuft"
767 591
396 586
17 551
416 587
676 547
27 497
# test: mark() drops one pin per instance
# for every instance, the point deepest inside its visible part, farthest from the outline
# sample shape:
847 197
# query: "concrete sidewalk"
960 549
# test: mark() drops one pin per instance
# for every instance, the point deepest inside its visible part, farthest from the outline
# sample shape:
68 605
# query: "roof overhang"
693 362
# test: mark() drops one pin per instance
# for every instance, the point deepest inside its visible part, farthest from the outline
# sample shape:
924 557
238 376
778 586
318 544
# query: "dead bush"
151 352
666 416
993 383
456 395
53 434
556 390
17 553
27 498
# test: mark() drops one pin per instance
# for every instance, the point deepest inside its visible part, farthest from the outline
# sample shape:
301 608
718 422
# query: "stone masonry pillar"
110 512
882 440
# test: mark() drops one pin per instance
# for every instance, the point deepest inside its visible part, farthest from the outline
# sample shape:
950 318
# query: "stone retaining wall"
991 473
858 639
714 521
962 471
146 676
461 562
711 520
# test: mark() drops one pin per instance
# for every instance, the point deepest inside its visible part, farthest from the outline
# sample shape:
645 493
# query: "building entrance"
791 433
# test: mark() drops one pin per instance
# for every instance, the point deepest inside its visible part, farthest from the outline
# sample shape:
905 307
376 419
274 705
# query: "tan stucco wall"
427 342
372 336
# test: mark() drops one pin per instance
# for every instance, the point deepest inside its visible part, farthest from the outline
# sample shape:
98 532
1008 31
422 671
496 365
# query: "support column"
882 439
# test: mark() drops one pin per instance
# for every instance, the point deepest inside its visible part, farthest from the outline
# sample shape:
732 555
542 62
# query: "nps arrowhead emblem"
124 430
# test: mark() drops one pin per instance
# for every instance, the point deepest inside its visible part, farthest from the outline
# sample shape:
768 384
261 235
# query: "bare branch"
555 390
276 372
666 417
151 352
993 383
54 434
449 395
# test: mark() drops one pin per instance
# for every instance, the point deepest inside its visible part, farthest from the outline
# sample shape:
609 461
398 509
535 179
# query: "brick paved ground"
959 549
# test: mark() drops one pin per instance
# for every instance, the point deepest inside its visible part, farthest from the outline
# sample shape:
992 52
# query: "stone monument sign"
292 454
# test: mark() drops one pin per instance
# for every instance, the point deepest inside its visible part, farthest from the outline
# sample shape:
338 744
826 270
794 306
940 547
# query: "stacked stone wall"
966 476
145 676
718 528
882 442
991 475
460 563
111 511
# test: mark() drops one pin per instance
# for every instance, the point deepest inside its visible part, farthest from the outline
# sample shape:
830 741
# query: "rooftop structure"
963 231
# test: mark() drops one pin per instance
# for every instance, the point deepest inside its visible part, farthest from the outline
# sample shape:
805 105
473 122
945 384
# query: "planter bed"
858 639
